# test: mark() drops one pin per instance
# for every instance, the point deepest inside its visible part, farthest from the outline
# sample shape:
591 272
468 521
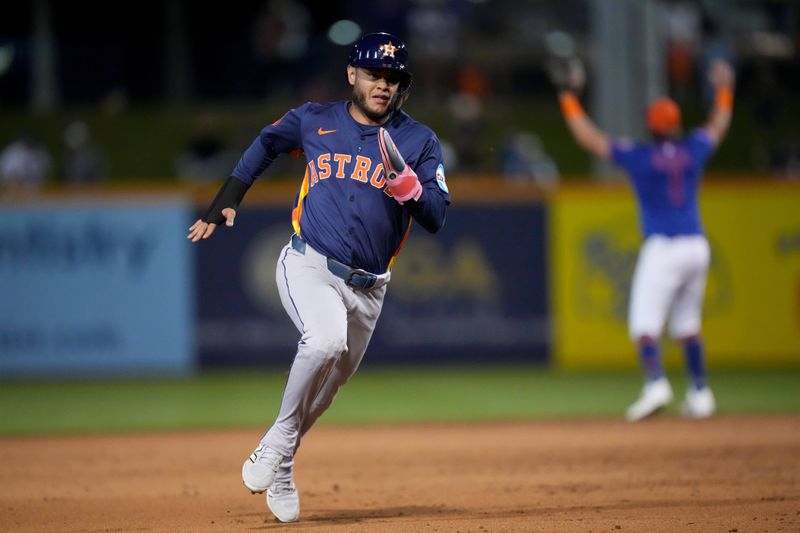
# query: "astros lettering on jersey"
344 209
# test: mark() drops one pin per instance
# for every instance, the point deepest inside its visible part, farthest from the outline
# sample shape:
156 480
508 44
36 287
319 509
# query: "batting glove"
401 180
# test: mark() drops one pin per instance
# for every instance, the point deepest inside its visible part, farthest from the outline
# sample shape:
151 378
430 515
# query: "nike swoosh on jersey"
324 132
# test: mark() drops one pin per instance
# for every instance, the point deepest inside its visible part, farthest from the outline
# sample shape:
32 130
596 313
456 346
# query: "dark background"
149 78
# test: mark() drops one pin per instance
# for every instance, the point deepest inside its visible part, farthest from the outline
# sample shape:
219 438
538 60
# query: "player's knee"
640 327
685 329
646 340
693 338
326 347
641 335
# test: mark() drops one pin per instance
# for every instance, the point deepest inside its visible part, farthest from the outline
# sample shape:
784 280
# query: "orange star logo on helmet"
388 49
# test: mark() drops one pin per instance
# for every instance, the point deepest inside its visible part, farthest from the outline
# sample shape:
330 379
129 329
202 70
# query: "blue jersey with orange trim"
344 209
666 177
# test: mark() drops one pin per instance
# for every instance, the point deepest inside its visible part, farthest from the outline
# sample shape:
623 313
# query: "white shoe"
699 403
258 470
284 501
655 396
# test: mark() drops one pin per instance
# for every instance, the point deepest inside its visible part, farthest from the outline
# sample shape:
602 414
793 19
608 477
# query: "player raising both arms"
353 211
670 276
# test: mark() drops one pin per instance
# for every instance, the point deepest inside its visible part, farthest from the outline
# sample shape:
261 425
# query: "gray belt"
353 277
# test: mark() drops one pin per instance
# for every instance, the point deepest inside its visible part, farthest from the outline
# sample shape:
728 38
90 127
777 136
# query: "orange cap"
663 116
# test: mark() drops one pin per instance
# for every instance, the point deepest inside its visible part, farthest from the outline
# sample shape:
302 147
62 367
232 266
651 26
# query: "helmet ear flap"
404 89
400 97
405 85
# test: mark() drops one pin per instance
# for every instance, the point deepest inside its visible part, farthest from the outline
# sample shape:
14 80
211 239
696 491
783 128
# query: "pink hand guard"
405 185
401 180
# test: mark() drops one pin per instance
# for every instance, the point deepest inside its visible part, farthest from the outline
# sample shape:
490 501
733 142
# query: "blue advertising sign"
474 292
95 288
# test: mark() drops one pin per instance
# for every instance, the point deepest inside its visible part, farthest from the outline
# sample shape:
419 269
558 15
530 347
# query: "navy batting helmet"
382 50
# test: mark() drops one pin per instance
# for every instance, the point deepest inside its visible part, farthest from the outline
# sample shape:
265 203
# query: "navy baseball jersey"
344 209
666 177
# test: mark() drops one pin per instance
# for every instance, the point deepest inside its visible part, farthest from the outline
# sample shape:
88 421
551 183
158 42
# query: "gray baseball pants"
336 323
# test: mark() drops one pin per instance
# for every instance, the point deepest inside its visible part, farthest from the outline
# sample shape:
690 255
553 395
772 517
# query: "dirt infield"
727 474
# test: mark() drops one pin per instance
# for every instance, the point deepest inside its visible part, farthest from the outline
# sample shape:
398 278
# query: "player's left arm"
430 210
721 77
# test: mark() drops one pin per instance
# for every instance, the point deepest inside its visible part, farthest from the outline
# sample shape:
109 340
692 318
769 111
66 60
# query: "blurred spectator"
472 79
25 163
466 107
449 155
682 19
281 35
84 162
467 120
434 37
206 159
524 159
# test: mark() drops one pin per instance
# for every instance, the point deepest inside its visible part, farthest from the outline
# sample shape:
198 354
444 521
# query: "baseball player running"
371 169
670 276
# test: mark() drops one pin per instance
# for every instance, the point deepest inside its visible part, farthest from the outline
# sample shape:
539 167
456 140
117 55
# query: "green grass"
373 396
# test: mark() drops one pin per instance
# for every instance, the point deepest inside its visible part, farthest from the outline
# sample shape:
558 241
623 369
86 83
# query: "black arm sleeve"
229 195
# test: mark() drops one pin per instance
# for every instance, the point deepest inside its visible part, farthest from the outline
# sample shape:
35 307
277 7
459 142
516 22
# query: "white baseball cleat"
258 470
699 403
284 501
654 397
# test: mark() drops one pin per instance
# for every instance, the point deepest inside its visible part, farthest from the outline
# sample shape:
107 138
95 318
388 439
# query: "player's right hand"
203 230
721 74
401 179
567 74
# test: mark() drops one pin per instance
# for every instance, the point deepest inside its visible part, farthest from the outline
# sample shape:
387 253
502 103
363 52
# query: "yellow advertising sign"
752 305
